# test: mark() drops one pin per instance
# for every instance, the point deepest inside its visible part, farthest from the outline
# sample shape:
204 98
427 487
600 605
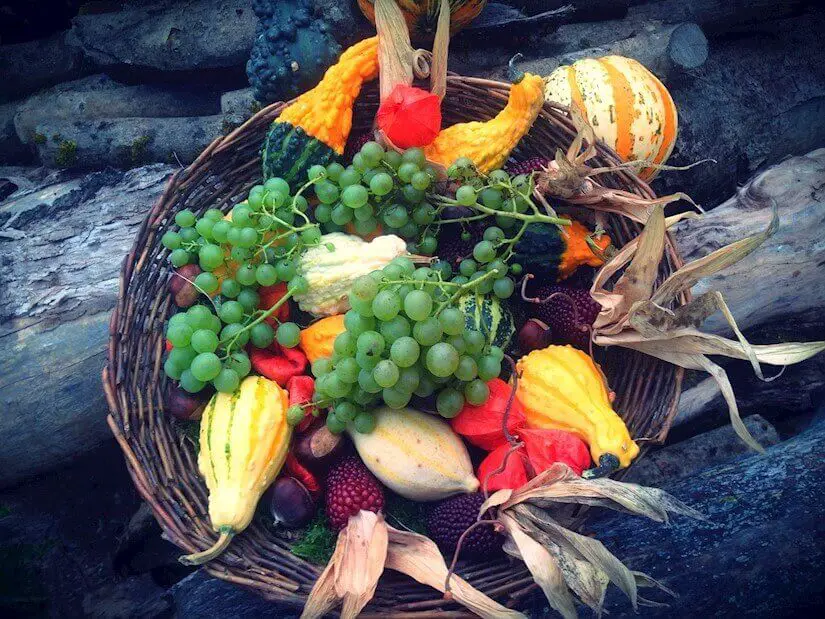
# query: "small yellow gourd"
244 438
489 144
561 388
318 338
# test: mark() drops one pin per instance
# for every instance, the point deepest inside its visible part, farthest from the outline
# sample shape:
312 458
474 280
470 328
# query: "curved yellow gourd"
244 438
318 338
561 388
489 144
627 106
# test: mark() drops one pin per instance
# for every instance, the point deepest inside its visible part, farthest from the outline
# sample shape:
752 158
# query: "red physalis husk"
410 116
542 448
482 425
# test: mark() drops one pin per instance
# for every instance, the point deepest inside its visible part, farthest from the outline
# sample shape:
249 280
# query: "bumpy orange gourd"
244 439
627 106
560 387
489 144
318 338
422 15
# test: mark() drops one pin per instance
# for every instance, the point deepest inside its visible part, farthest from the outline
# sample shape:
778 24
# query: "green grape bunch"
258 246
405 336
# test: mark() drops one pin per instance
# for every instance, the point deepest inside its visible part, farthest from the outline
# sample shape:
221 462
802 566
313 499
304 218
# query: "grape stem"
463 288
534 218
263 316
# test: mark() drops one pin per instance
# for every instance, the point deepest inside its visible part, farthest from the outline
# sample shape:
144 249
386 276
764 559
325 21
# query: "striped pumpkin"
422 15
627 106
490 316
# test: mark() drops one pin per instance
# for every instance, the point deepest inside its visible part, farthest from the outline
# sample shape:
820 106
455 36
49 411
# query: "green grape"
199 317
359 163
172 370
255 200
204 227
499 176
488 368
310 236
491 198
298 285
394 329
467 267
239 254
412 195
261 335
475 341
427 332
403 291
248 237
220 230
316 172
428 245
206 366
364 423
505 222
467 368
283 217
449 403
366 360
277 184
499 266
366 226
453 172
285 269
407 170
452 320
418 305
393 271
335 425
233 236
349 176
171 240
185 218
230 288
341 215
179 257
364 213
246 275
421 181
367 382
182 356
232 331
242 215
213 215
424 214
207 282
484 251
327 192
476 392
189 383
231 312
457 342
496 352
288 334
365 288
179 335
321 366
426 387
323 213
362 307
226 381
381 184
210 257
239 363
299 203
345 344
334 171
295 414
424 274
460 280
408 379
372 152
466 195
392 158
272 200
385 373
346 411
386 305
204 340
396 216
443 268
266 274
357 324
503 288
335 387
466 164
414 155
409 231
404 352
347 370
395 398
516 268
442 359
178 319
189 235
494 234
370 343
484 286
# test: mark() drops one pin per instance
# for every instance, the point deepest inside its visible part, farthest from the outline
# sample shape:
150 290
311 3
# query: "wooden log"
62 244
583 10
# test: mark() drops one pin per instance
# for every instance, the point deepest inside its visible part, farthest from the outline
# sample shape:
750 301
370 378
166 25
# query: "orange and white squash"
627 106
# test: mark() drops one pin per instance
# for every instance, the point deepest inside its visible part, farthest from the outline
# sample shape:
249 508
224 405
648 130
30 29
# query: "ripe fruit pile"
405 335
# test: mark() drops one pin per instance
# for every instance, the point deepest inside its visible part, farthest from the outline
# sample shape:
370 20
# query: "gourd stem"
199 558
513 74
607 464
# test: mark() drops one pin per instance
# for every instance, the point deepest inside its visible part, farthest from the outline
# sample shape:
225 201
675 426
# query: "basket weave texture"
163 463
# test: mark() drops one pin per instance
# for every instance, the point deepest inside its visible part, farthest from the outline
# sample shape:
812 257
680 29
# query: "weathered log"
61 246
583 10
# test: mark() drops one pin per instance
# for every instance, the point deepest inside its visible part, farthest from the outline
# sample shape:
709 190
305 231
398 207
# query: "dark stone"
348 23
27 67
12 150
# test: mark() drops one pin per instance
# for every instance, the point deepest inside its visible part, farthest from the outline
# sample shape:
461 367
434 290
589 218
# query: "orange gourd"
422 15
318 338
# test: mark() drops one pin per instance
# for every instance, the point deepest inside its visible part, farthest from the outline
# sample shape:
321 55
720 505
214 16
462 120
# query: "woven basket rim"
115 377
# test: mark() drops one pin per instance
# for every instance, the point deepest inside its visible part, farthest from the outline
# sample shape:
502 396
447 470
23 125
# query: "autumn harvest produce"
391 341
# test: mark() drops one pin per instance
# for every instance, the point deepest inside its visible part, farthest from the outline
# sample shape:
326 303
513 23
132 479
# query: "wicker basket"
163 465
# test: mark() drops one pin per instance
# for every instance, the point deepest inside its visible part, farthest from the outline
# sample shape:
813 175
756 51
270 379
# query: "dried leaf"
361 562
419 558
543 567
322 598
441 45
587 581
495 499
536 486
635 208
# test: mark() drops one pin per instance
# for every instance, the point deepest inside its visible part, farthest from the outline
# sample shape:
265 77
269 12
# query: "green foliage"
405 514
317 542
39 138
66 153
137 151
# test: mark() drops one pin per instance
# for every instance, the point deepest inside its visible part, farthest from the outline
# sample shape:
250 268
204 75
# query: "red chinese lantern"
410 116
